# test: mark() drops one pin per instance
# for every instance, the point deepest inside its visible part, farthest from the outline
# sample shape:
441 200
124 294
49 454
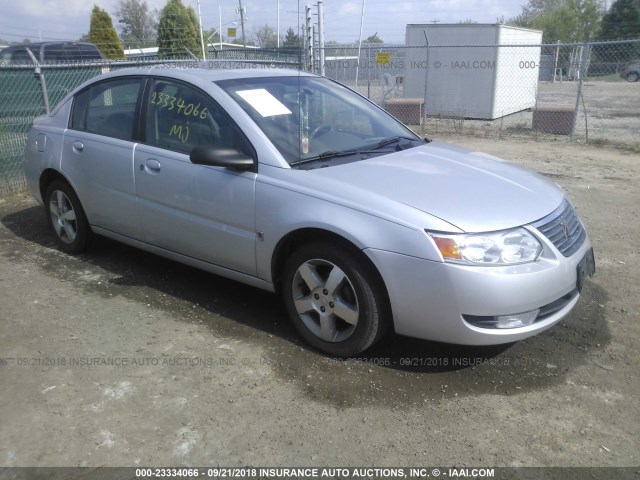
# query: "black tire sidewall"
372 320
83 231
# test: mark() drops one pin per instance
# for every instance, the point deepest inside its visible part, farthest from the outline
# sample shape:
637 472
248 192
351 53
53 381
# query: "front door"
199 211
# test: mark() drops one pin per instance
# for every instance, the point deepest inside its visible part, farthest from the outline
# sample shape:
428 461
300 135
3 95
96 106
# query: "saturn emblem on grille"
565 230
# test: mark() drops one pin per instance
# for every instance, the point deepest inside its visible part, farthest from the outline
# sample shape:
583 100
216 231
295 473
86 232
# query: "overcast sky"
69 19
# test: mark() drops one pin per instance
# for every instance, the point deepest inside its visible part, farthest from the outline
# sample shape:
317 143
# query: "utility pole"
204 57
360 43
321 35
244 42
309 37
220 25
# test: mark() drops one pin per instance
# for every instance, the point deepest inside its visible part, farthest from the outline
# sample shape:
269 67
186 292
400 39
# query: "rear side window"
89 52
54 53
108 108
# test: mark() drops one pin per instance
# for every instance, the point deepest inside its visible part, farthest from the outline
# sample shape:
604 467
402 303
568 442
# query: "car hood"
471 190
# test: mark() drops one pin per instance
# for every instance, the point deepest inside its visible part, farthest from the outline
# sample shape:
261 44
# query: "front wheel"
66 217
335 299
633 77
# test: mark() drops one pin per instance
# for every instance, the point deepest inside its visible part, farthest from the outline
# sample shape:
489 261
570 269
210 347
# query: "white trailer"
483 71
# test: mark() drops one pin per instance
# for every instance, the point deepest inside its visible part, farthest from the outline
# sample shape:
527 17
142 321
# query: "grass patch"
598 141
633 148
614 77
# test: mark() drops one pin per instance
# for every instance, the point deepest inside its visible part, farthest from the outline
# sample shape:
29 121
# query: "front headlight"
507 247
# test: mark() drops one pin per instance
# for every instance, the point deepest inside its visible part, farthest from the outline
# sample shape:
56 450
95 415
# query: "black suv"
50 52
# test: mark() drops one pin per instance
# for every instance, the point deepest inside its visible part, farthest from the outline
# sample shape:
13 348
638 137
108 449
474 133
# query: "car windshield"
310 118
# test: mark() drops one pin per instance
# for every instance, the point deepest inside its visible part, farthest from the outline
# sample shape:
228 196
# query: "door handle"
152 166
78 146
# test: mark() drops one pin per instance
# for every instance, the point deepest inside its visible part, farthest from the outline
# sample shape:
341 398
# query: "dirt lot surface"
121 358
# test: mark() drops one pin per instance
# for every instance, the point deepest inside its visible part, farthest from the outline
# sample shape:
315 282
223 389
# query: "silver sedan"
295 184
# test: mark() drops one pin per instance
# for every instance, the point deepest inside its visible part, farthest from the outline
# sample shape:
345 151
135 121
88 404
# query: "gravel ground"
121 358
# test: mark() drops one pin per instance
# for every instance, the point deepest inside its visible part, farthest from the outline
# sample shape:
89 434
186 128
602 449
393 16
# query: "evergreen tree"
373 39
177 30
622 21
291 39
103 35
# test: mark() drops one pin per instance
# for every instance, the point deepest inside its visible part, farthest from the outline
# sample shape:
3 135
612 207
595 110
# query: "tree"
102 33
373 39
176 31
291 39
137 23
536 7
265 37
211 36
622 21
564 20
238 41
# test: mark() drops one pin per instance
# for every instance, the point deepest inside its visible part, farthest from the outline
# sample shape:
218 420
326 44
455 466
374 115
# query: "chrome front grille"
563 228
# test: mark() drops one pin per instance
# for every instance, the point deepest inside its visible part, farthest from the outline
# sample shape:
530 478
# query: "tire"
66 218
633 76
335 299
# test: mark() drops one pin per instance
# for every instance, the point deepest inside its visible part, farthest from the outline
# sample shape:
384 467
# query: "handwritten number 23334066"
163 100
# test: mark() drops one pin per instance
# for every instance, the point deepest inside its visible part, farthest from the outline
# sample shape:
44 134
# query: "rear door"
98 153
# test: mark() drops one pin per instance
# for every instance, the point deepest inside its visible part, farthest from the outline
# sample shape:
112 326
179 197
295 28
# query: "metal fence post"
43 83
582 72
426 85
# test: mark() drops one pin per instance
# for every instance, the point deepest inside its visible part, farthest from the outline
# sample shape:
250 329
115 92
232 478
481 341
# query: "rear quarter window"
19 55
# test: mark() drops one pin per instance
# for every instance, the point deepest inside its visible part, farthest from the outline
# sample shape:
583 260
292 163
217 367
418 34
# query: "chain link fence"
580 92
27 91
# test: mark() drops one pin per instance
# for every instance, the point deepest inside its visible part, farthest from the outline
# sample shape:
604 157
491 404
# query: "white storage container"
474 70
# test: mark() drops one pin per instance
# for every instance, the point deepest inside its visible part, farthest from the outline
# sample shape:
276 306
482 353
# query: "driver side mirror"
221 157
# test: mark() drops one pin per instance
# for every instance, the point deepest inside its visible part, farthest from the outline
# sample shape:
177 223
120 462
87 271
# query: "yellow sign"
231 32
383 58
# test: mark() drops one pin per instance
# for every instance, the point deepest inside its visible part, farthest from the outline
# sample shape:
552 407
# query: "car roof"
199 72
213 70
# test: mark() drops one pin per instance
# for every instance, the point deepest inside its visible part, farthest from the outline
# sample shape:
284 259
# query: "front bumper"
429 299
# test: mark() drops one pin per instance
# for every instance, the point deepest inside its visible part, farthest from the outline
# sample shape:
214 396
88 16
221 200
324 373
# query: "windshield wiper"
389 141
327 154
346 153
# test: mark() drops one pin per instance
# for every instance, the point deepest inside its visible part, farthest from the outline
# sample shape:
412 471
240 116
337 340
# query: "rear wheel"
335 299
66 217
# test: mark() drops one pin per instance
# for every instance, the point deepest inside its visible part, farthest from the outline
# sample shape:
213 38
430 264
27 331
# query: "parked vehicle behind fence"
631 71
50 52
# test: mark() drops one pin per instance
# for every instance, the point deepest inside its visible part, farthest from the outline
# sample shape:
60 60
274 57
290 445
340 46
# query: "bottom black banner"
271 473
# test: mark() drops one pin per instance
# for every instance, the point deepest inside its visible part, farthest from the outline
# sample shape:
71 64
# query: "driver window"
180 118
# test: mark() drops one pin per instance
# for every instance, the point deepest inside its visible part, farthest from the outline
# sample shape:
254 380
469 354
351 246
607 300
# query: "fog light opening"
517 320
